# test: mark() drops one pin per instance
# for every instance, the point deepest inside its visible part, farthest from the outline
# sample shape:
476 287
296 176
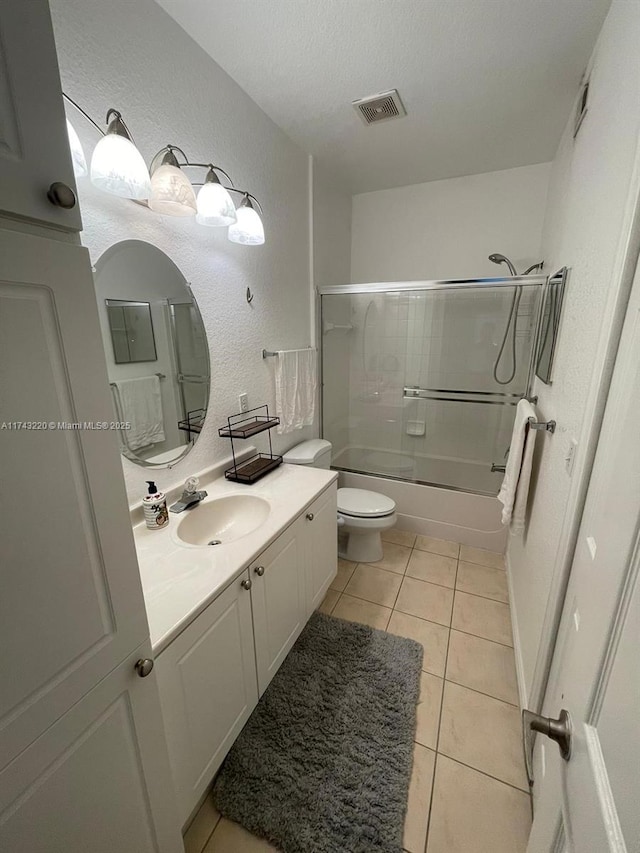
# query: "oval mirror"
157 352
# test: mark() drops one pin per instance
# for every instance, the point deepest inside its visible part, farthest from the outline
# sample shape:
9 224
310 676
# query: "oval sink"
222 520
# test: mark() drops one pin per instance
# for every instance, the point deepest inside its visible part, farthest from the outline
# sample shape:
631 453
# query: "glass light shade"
215 206
248 230
171 192
77 154
117 167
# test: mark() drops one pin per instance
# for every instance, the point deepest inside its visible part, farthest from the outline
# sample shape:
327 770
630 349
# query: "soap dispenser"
155 508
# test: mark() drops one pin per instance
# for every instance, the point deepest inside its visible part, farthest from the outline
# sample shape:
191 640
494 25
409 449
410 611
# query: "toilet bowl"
362 515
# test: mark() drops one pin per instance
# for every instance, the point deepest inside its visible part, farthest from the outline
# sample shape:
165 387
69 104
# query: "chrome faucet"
190 496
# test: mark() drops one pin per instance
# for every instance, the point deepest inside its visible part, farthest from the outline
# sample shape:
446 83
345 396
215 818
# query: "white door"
589 804
322 546
208 689
71 606
34 149
94 782
278 600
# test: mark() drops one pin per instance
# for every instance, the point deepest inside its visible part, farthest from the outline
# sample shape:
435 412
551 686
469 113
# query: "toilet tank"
316 452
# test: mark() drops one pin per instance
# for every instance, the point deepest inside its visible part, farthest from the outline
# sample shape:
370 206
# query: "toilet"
362 515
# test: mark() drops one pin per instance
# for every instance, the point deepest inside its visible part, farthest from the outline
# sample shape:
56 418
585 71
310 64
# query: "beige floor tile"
329 601
201 827
345 569
434 639
395 558
433 568
482 665
480 580
415 825
230 837
472 813
357 610
373 584
425 600
399 537
429 710
482 732
483 558
438 546
482 617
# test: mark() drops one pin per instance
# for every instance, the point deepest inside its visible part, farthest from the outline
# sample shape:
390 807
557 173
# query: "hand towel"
141 406
296 383
514 491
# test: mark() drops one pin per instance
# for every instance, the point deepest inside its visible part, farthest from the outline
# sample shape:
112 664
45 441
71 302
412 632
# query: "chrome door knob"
144 667
259 570
310 516
246 584
61 195
558 730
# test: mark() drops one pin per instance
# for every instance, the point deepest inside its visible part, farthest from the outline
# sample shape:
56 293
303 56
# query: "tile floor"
468 790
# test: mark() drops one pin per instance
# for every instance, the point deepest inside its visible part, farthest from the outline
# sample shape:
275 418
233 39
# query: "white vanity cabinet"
211 675
208 689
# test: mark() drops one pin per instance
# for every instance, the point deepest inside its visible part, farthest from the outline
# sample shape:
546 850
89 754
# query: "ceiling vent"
382 107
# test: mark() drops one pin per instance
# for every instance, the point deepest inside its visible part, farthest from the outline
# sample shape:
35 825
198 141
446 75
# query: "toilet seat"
361 503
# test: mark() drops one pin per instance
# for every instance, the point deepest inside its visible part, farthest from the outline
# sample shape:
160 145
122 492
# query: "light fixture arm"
247 195
85 114
166 157
211 177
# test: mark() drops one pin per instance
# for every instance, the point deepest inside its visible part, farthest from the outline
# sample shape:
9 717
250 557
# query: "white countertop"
179 581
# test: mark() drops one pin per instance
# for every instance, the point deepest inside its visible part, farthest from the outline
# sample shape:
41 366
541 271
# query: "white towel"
514 491
296 385
141 406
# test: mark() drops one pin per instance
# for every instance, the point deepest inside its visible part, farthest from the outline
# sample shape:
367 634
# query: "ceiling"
487 84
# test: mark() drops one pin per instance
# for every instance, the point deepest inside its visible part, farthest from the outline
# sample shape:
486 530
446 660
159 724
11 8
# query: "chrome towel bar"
549 426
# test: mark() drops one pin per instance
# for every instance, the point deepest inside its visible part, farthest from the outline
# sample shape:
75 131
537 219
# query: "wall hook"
249 296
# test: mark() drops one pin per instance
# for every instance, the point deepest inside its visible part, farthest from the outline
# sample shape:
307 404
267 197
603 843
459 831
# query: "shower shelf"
245 425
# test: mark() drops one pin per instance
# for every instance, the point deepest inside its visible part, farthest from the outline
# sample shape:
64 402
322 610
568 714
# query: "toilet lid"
364 504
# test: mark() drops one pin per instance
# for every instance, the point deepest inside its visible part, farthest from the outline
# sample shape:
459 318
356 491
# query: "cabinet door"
97 781
278 600
321 533
71 605
207 680
34 149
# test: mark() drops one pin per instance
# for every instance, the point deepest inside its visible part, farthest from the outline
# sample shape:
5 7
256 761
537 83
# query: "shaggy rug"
323 763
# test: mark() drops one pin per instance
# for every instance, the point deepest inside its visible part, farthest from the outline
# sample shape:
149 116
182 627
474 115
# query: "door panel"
208 689
34 149
278 600
322 546
97 780
68 549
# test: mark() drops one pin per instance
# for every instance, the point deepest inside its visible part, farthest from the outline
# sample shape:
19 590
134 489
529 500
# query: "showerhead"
501 259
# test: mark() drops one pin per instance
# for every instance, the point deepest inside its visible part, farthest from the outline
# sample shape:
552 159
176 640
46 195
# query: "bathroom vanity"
223 617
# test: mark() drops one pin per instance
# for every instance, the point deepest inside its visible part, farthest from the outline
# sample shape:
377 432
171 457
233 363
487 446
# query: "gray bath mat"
323 764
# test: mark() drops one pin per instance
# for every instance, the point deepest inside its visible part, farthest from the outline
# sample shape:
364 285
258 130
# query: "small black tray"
253 469
249 427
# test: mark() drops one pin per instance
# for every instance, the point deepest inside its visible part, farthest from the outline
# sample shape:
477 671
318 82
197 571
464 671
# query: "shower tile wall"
437 340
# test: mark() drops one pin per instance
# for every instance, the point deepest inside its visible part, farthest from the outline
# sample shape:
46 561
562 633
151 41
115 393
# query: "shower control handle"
310 516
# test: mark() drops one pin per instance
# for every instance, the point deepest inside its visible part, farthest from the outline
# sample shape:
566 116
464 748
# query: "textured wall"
586 224
446 229
133 56
331 229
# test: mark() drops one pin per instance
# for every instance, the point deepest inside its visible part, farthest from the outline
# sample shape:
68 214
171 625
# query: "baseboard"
517 648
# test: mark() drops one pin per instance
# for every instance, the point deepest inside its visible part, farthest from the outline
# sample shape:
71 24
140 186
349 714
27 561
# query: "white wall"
133 56
593 187
331 229
446 229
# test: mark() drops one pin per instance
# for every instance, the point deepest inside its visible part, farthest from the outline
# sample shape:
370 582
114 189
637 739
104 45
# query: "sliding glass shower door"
421 384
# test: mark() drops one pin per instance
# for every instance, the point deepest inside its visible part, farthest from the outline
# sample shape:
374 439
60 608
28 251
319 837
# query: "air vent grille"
382 107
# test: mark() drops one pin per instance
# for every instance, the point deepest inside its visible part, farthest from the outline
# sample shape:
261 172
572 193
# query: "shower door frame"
539 280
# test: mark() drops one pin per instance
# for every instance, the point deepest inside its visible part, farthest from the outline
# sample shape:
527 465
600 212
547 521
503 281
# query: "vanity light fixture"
77 154
248 230
117 166
215 205
171 190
